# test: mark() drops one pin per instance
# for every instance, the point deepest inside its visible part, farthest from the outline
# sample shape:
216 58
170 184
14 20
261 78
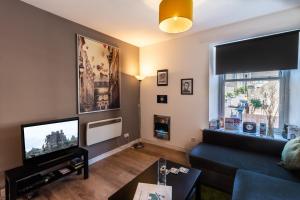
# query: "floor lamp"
139 145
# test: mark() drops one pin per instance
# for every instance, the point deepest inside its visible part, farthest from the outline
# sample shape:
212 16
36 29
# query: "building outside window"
260 97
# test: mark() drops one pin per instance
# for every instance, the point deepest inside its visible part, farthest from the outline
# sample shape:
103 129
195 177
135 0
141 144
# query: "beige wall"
189 58
38 79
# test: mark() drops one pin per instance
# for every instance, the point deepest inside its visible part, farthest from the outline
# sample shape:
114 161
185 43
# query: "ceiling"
136 21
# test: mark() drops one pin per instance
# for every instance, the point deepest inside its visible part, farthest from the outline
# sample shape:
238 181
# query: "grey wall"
38 77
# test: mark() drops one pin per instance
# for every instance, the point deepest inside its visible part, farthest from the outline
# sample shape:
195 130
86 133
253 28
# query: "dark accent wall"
38 79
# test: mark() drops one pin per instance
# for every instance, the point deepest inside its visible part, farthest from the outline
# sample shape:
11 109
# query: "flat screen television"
43 140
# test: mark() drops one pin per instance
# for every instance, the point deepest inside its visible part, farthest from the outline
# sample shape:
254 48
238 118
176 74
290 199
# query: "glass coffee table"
184 186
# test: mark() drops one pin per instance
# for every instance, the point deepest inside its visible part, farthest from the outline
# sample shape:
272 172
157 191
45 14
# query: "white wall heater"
103 130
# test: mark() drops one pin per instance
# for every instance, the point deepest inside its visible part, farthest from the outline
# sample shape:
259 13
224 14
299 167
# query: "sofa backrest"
244 142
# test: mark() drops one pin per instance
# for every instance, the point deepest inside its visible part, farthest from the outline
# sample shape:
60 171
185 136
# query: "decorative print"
187 86
98 76
162 77
162 99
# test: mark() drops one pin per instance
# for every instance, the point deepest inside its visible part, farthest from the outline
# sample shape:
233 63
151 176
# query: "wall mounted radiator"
103 130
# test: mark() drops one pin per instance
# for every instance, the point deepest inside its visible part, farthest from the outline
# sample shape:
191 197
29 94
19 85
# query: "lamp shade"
175 16
140 77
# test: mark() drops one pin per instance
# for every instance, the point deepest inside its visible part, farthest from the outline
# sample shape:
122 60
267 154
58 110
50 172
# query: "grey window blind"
274 52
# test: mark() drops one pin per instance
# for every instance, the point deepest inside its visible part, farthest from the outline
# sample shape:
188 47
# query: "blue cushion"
250 185
227 160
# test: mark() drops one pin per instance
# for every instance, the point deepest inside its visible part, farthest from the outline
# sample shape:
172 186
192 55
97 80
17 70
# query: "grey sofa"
222 154
251 185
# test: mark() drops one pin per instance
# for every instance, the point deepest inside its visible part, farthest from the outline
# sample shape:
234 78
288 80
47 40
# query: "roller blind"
274 52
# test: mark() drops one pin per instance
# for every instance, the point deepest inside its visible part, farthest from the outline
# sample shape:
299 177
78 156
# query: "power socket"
126 135
193 140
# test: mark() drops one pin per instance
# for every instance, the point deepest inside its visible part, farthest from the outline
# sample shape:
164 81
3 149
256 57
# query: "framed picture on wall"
187 87
162 77
98 76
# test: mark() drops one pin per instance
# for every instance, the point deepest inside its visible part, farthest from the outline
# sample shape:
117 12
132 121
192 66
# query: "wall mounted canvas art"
98 76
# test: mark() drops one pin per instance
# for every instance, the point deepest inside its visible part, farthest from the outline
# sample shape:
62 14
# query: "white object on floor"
146 191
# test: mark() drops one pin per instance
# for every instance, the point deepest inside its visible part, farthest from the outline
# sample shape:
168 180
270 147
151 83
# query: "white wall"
213 86
294 113
188 57
189 114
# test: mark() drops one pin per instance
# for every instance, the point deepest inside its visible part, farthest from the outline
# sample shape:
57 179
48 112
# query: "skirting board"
169 146
112 152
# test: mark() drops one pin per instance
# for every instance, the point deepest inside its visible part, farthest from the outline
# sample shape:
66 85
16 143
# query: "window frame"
284 78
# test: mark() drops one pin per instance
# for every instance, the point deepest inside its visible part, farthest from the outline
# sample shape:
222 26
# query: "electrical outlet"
193 139
126 135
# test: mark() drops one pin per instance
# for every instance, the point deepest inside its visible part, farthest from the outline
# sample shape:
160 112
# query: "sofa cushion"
291 154
227 160
250 185
244 142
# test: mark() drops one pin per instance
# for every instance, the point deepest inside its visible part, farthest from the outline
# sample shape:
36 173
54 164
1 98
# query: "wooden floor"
110 174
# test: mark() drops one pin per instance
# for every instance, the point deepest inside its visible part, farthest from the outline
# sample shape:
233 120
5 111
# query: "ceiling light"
175 16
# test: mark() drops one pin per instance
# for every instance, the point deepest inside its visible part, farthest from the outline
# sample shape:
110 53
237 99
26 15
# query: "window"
258 97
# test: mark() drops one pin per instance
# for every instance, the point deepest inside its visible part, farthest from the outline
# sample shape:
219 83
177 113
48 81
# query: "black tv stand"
30 177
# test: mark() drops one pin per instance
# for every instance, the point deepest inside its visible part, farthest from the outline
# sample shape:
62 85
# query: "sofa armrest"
244 142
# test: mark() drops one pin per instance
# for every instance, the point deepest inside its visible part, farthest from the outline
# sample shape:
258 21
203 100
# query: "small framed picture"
187 86
162 77
162 99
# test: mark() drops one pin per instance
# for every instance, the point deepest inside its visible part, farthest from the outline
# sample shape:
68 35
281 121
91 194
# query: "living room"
196 99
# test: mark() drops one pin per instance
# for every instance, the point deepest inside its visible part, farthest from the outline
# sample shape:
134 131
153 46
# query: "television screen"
43 138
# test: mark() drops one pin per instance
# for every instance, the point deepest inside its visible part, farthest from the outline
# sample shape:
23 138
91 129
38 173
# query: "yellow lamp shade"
175 16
